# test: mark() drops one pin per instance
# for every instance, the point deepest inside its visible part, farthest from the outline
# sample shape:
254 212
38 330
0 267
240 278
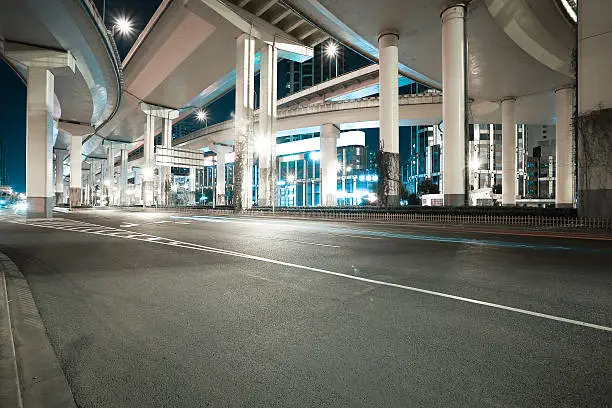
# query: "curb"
34 376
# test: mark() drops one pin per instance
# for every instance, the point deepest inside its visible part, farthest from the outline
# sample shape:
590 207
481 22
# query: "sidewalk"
30 374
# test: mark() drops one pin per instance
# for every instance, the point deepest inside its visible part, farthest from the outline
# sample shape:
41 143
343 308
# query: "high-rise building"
321 67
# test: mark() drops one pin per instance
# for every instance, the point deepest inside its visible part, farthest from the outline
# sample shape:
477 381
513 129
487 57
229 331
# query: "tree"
427 186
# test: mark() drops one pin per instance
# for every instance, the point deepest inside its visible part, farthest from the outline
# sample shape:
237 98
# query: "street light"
123 25
331 51
202 116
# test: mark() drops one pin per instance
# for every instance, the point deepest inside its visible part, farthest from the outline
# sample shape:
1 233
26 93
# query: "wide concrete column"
454 105
220 186
564 167
39 120
165 172
60 156
389 158
39 142
594 123
110 175
266 138
243 122
76 161
124 176
508 152
329 164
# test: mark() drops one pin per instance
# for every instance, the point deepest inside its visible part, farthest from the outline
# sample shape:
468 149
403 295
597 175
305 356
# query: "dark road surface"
197 311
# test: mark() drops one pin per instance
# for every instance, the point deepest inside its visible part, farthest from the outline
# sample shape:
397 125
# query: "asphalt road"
156 310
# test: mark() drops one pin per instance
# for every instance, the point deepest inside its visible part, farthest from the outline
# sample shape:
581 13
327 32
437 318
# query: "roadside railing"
527 217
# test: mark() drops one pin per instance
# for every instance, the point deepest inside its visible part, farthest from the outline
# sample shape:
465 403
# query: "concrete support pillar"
137 185
220 181
39 142
110 175
243 122
508 152
76 161
165 174
124 176
594 122
266 140
60 156
148 171
389 158
329 164
454 105
39 120
564 167
192 185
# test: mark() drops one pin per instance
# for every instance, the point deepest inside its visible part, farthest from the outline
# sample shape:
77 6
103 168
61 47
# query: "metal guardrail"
434 217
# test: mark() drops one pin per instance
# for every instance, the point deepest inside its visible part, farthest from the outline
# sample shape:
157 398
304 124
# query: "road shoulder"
26 349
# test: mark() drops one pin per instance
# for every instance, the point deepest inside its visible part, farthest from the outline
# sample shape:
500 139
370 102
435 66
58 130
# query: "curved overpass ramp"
61 51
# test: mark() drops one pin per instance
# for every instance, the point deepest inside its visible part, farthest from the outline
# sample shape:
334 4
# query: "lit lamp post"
202 116
122 26
331 51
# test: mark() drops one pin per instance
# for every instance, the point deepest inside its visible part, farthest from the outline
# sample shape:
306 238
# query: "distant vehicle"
6 197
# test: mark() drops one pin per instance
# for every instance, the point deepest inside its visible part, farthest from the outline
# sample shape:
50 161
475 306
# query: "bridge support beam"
39 142
165 172
137 185
388 157
124 176
60 156
564 171
192 185
329 164
148 172
266 140
455 175
221 151
110 175
39 120
509 141
243 122
76 175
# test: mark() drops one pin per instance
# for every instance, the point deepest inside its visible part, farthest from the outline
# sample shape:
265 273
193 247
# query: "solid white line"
128 225
188 245
161 222
389 284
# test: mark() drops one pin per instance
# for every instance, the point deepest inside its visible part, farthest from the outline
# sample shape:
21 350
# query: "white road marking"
358 236
161 222
182 222
198 247
127 225
312 243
